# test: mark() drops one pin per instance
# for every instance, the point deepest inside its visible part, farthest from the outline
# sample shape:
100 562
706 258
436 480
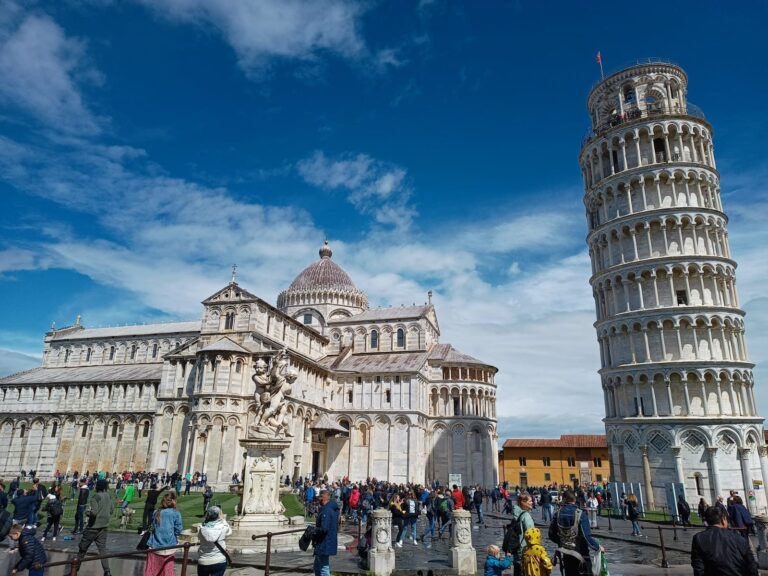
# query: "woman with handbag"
166 527
212 557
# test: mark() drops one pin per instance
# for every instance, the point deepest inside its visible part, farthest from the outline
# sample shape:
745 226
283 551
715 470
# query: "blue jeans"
546 512
322 565
410 528
635 527
479 508
430 528
80 518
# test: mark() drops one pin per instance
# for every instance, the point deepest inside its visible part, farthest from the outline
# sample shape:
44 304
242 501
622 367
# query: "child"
494 564
536 562
31 552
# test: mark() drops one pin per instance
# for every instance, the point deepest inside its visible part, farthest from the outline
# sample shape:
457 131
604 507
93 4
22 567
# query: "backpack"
366 504
512 536
6 522
55 507
569 535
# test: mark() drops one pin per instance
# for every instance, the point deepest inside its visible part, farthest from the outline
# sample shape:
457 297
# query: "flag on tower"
600 61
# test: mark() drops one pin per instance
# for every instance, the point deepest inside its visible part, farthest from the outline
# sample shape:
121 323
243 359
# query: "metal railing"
268 536
634 112
75 563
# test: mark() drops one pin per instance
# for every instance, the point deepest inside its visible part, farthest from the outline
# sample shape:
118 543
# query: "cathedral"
375 393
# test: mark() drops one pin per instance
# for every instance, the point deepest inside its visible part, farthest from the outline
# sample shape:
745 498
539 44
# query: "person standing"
23 504
521 521
211 560
458 497
31 552
633 514
130 492
570 531
398 518
719 551
739 516
55 510
328 524
207 497
98 523
702 508
149 506
167 527
546 506
82 501
477 500
495 564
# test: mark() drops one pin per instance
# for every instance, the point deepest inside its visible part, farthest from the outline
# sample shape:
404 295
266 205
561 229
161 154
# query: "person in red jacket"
458 498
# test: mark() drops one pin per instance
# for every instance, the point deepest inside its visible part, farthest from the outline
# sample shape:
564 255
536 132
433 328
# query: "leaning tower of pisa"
676 377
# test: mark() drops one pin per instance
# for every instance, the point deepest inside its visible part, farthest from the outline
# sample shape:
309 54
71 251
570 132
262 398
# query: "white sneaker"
399 544
42 539
54 538
415 543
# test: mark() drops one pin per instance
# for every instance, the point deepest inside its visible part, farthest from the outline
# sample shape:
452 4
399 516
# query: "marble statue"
274 383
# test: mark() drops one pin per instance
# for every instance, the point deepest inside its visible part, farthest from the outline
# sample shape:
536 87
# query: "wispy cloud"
260 32
373 186
42 68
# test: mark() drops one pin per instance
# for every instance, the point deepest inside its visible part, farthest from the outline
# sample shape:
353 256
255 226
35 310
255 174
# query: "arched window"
363 435
133 352
114 429
400 338
22 431
84 433
349 396
154 350
238 367
374 340
66 356
229 321
88 355
145 432
111 352
699 484
54 429
388 395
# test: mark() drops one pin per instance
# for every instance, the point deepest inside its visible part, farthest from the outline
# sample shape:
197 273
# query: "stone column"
678 465
463 555
647 478
381 556
715 472
763 452
746 475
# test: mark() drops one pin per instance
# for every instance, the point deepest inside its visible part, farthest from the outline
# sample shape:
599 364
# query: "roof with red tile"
565 441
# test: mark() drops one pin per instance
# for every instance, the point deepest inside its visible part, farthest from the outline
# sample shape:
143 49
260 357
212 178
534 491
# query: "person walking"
684 510
592 505
167 526
398 518
55 510
444 506
211 560
130 493
720 551
328 525
98 523
521 521
633 514
702 508
477 500
739 516
571 532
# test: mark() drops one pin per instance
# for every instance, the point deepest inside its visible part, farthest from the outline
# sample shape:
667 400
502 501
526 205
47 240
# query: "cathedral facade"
376 394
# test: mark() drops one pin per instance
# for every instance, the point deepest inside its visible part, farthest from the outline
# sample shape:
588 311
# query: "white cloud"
284 29
12 362
373 187
41 68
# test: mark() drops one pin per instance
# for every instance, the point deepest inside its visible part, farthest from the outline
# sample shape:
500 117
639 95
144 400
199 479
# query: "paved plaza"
627 555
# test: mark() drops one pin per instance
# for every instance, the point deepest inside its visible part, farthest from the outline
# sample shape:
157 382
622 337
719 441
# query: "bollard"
359 528
185 559
268 559
610 528
664 563
75 566
674 532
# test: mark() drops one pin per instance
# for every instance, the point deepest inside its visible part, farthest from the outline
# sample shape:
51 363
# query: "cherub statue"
273 385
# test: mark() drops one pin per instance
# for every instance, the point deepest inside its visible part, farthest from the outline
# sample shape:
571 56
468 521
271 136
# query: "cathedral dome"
323 274
323 281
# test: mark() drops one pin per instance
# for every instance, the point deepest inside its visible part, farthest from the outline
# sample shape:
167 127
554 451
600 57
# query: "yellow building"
572 459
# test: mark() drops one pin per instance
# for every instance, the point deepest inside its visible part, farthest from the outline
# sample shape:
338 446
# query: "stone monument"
381 556
463 555
761 523
260 508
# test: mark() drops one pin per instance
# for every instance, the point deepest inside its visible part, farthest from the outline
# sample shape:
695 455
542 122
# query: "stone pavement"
627 555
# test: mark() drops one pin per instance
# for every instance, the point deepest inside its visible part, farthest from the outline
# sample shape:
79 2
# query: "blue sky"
146 146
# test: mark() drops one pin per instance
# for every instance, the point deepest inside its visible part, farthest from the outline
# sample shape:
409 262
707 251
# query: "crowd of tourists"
95 497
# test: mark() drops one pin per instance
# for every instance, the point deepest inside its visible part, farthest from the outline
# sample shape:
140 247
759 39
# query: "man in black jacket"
718 551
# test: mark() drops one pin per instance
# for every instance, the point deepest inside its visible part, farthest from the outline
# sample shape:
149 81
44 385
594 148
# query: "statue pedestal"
381 556
260 508
761 523
463 555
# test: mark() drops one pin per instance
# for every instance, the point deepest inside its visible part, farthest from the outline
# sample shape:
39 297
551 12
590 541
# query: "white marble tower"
676 378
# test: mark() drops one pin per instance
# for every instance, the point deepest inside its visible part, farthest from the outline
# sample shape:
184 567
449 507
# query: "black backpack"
6 522
512 535
55 507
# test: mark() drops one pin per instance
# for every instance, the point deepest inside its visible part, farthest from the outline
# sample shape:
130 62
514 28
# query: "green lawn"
191 507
